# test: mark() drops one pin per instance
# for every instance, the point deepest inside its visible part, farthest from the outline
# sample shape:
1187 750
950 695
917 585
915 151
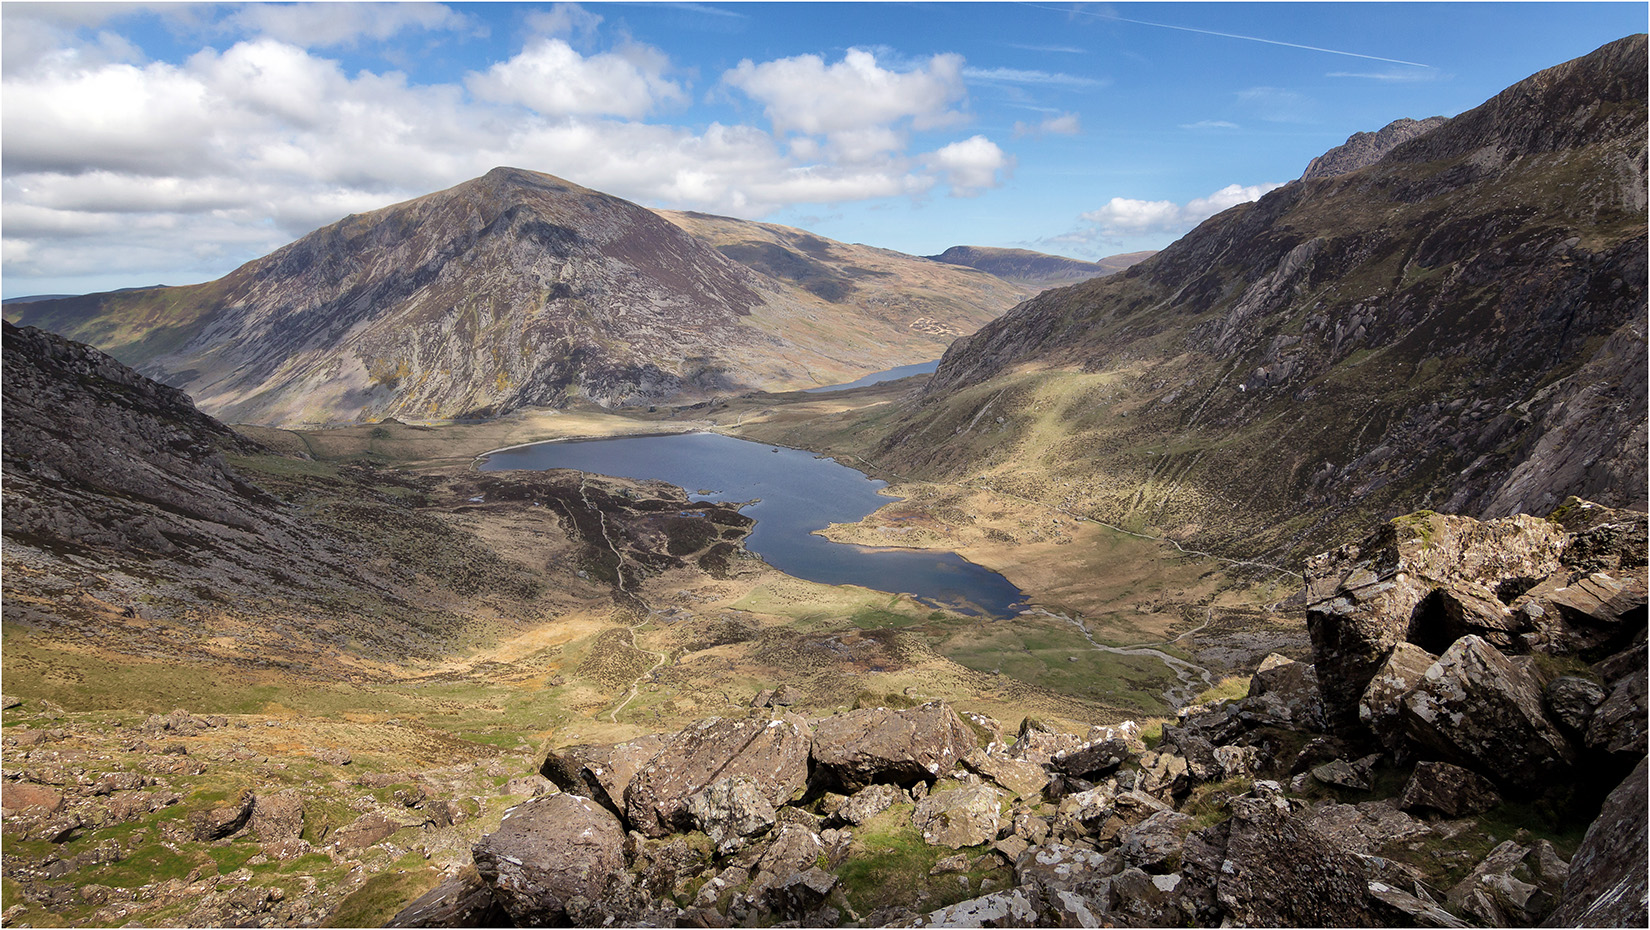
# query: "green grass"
376 901
890 865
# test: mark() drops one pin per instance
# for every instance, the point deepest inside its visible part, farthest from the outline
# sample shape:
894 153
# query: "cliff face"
1459 326
514 289
1363 149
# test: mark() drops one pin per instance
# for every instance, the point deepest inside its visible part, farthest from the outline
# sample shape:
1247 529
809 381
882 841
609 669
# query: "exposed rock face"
1515 886
1606 884
602 772
1300 328
1284 873
876 744
1363 149
773 752
1449 790
1478 709
1364 599
548 851
731 809
967 816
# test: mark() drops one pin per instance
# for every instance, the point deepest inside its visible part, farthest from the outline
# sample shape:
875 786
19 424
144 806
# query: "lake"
796 492
876 377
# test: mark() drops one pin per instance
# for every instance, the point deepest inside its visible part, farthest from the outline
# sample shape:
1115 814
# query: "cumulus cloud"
1123 217
553 79
806 95
1065 124
973 165
148 172
322 25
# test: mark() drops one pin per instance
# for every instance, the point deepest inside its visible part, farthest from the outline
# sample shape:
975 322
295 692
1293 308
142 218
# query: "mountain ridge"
1038 270
514 289
1443 328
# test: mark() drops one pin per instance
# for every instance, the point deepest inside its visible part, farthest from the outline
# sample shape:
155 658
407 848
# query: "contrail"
1232 35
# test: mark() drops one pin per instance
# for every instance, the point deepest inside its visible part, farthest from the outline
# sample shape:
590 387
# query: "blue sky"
168 143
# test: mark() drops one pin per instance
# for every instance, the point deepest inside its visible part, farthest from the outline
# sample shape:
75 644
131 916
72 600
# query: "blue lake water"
891 374
798 493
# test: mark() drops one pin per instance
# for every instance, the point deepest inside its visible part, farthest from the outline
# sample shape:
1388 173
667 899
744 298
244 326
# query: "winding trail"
1188 672
618 571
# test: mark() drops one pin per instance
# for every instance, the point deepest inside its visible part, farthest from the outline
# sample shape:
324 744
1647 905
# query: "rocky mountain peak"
1363 149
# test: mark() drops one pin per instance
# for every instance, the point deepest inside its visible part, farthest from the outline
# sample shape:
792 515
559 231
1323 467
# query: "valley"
1325 528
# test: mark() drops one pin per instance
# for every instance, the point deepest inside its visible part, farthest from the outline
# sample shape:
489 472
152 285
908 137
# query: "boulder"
800 894
1571 701
1137 898
19 796
367 830
867 803
1606 884
773 753
1478 710
1617 727
1010 908
600 772
1441 788
1364 828
1037 744
1344 774
547 851
965 816
876 744
1284 692
1154 844
730 811
1085 812
1515 886
461 900
1163 774
1590 615
222 820
1280 871
1060 881
1362 599
1021 779
1093 760
1409 910
278 817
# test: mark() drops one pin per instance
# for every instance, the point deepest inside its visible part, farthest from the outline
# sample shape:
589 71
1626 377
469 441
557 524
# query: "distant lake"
799 493
891 374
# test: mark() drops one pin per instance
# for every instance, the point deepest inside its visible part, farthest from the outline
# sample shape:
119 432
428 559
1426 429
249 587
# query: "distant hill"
521 289
1036 270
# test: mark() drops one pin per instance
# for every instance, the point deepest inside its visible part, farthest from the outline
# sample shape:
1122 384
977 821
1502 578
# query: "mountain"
514 289
1459 326
1036 270
1363 149
900 293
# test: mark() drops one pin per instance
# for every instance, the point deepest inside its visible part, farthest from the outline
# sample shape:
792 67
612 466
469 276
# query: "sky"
168 143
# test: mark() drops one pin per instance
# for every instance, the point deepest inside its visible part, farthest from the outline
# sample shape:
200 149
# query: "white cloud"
1392 75
1017 76
973 165
564 19
807 95
1210 124
1123 217
322 25
120 171
1066 124
553 79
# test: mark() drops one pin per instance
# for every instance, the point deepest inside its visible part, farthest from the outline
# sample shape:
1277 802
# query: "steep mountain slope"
1035 270
1460 326
1363 149
510 290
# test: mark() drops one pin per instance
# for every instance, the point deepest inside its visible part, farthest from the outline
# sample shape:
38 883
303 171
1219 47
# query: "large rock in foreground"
1363 599
772 752
1475 708
1607 885
902 747
547 851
